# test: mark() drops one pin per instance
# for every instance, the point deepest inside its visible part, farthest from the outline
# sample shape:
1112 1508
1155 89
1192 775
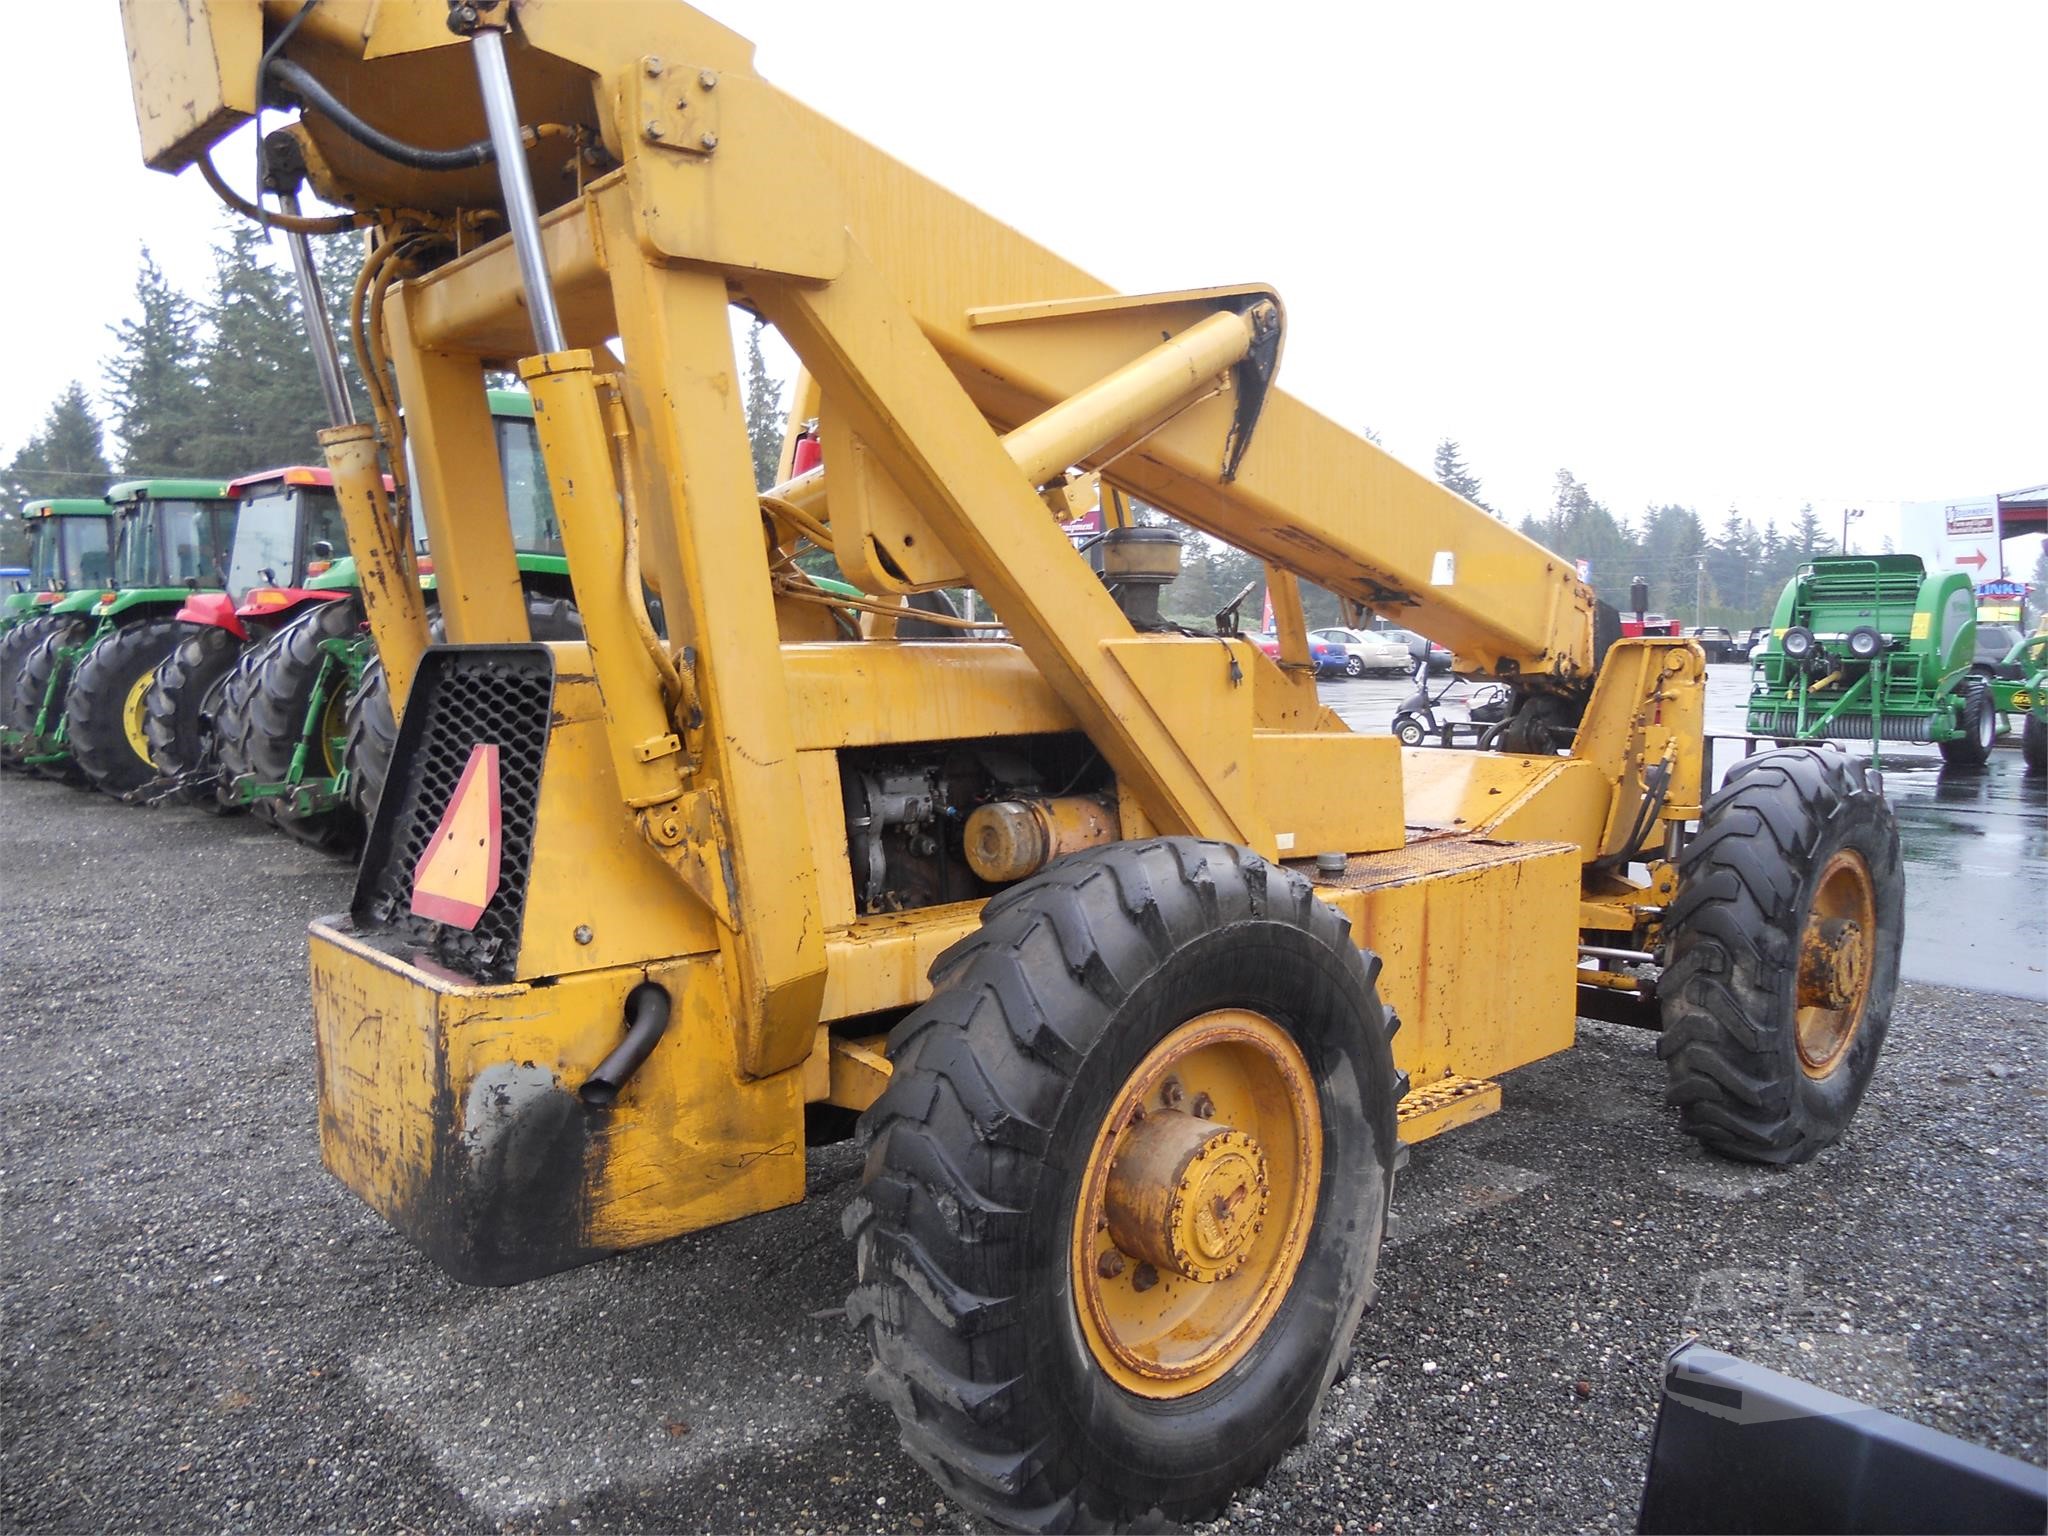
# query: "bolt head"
1144 1277
708 78
655 129
652 64
1110 1265
583 933
1204 1107
1171 1093
708 140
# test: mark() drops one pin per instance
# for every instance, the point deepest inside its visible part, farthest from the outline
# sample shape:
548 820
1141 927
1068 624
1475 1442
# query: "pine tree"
1453 474
66 458
263 401
1809 535
765 416
153 382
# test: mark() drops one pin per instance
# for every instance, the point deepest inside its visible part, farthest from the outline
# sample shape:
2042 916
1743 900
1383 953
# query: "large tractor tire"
15 647
373 732
1782 955
105 705
1980 727
24 699
182 711
1125 1191
2034 744
263 716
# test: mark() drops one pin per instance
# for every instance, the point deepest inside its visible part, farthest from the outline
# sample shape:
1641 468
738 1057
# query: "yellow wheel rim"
1196 1203
1837 949
333 726
133 715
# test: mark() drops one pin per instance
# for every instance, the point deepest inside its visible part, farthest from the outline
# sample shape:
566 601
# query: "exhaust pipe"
647 1010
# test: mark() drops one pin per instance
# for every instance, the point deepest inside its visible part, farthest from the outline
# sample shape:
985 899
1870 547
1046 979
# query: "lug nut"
1204 1107
1144 1278
1110 1265
1170 1093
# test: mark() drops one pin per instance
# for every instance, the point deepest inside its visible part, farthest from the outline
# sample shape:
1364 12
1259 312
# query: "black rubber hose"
647 1010
309 90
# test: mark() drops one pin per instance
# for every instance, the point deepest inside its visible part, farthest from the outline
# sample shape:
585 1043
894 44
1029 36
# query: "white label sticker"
1443 570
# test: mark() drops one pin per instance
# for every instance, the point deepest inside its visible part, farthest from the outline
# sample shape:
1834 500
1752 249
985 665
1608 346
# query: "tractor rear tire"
24 698
15 647
1980 727
182 710
1781 955
2034 744
373 732
999 1315
104 704
261 726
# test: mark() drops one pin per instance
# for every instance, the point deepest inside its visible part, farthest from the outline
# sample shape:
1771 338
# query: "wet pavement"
1975 840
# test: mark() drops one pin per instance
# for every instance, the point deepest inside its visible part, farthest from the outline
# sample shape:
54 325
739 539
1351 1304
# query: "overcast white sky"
1719 254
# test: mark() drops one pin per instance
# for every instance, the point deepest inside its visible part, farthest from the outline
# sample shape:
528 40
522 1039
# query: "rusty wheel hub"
1187 1195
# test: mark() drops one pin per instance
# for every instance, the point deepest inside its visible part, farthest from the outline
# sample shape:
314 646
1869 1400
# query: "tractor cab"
67 551
171 538
288 533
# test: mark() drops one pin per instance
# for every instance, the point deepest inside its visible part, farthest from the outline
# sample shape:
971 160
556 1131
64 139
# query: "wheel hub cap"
1187 1195
1831 963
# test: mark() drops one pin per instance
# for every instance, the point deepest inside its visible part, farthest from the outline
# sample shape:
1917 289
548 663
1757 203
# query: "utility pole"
1699 595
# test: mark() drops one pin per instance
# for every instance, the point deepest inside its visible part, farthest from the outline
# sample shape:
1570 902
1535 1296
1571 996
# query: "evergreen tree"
1453 474
1810 535
765 416
263 400
153 382
66 458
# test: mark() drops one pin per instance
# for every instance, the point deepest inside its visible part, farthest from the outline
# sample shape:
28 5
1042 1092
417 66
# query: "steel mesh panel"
463 696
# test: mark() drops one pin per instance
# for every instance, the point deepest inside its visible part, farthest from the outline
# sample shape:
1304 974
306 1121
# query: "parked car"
1995 643
1756 640
1367 651
1415 645
1717 642
1329 659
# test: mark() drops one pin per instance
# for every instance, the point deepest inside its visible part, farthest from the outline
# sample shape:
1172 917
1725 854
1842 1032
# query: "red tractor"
289 533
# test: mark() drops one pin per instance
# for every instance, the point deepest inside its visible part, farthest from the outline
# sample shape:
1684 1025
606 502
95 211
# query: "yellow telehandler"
1101 924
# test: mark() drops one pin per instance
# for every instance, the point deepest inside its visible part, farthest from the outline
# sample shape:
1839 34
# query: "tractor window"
188 540
135 558
321 519
527 495
85 551
42 554
265 537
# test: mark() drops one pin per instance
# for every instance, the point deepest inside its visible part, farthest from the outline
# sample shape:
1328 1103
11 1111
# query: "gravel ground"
200 1328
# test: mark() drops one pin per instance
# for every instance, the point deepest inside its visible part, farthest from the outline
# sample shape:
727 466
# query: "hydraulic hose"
302 83
307 87
332 224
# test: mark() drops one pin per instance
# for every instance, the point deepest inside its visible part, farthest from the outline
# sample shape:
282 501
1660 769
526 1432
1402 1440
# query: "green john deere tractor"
291 745
2019 686
77 702
1872 648
67 552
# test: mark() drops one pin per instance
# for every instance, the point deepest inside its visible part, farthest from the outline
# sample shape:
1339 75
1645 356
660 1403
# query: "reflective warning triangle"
457 876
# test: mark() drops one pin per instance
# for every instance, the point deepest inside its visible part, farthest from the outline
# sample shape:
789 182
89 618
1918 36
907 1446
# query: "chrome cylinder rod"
515 184
319 328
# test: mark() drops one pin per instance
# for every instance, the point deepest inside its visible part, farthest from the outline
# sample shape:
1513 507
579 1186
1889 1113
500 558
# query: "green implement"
1873 648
